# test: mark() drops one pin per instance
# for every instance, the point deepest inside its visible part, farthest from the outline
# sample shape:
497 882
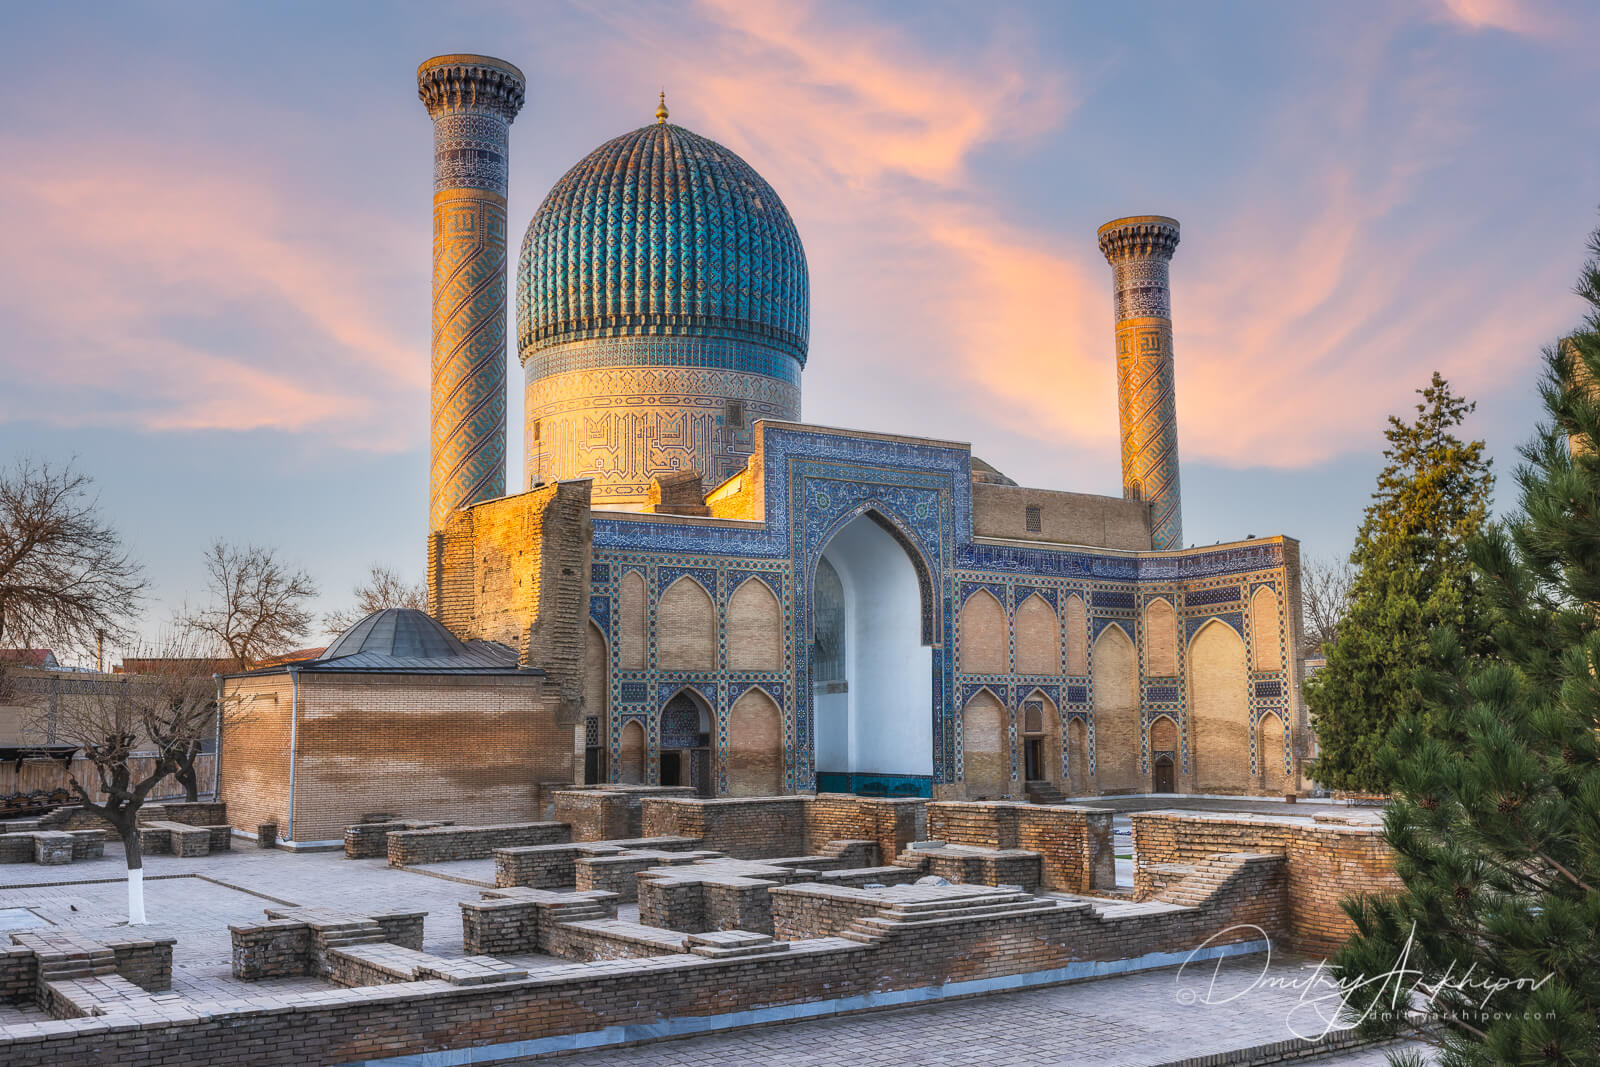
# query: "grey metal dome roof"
405 639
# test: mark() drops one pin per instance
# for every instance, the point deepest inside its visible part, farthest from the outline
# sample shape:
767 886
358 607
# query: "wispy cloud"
1327 273
165 292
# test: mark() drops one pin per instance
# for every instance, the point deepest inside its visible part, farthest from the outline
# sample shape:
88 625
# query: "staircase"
1043 792
1208 878
927 904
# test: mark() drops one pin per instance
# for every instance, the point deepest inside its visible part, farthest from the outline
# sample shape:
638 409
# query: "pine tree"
1496 820
1412 577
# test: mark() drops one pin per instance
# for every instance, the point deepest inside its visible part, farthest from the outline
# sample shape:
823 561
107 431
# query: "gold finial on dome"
661 109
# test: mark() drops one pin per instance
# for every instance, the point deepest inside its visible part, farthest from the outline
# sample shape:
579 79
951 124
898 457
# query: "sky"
214 297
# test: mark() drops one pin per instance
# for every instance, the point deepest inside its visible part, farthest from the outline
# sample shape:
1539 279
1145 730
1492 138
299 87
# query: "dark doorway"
1164 779
1033 755
671 769
594 765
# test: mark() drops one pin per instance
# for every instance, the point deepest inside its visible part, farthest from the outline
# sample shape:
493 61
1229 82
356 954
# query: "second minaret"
472 100
1139 249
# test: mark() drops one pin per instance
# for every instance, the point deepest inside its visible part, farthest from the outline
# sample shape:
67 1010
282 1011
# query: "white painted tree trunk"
136 897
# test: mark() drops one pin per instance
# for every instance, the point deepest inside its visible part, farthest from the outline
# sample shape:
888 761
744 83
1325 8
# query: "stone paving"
1130 1020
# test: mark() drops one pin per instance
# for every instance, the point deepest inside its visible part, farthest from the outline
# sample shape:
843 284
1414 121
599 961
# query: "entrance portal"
686 743
871 675
1164 782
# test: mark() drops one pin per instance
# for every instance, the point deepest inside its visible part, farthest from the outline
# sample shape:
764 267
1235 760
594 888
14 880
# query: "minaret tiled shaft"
1139 249
472 101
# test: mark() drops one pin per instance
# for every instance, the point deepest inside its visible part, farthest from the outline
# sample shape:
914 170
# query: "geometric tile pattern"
1139 250
472 101
815 482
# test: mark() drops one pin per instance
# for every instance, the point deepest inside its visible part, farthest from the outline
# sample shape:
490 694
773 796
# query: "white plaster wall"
890 671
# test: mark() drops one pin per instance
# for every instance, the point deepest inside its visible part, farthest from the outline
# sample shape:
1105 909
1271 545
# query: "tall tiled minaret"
472 100
1139 249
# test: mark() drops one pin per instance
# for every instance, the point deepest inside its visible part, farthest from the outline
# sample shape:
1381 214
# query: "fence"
32 775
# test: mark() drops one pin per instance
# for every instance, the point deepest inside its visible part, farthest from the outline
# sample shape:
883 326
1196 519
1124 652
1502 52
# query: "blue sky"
218 225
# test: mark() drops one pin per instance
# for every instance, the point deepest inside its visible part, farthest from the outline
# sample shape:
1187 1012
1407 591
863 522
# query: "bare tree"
64 575
384 588
128 729
257 604
1324 594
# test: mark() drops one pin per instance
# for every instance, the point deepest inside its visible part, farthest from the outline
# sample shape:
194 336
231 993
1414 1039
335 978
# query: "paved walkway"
1136 1019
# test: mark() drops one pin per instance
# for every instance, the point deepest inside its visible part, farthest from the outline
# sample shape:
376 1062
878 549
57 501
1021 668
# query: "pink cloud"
1511 16
176 296
1320 281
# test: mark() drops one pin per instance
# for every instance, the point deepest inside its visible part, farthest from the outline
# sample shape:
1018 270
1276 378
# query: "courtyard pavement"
1133 1019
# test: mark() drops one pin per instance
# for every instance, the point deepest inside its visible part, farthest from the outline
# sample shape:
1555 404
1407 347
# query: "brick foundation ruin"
786 905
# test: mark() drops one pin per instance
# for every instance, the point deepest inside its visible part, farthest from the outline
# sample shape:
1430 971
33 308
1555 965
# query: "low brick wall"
338 1026
19 975
1073 842
198 813
614 939
147 964
893 824
274 948
609 812
750 828
816 910
518 921
1326 862
369 840
446 843
537 866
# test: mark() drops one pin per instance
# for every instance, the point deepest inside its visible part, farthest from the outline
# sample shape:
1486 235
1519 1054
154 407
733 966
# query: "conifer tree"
1496 818
1412 577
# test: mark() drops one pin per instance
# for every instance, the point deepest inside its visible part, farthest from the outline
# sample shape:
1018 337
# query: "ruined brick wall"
1326 862
1074 843
608 812
255 751
516 571
746 828
354 1025
893 824
447 843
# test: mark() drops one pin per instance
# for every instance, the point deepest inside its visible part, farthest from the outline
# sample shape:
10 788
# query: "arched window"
827 620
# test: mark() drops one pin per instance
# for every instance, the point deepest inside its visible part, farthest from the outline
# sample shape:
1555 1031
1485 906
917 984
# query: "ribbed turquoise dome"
662 232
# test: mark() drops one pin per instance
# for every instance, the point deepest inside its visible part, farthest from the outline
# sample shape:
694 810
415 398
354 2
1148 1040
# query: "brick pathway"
1131 1020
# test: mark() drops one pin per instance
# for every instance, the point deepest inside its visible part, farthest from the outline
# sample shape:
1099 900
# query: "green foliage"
1412 577
1496 819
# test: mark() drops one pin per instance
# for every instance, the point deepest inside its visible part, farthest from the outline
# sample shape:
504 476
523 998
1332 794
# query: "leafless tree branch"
257 606
1325 595
64 575
384 588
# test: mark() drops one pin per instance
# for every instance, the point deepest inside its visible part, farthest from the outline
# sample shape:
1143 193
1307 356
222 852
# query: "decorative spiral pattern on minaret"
472 101
1139 249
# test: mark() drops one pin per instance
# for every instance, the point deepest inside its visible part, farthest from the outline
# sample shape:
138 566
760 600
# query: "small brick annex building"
724 597
396 715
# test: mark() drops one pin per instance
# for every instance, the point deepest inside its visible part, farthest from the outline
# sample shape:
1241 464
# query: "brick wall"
1326 862
254 772
893 824
429 747
746 828
353 1025
445 843
1065 518
609 812
516 570
1074 843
